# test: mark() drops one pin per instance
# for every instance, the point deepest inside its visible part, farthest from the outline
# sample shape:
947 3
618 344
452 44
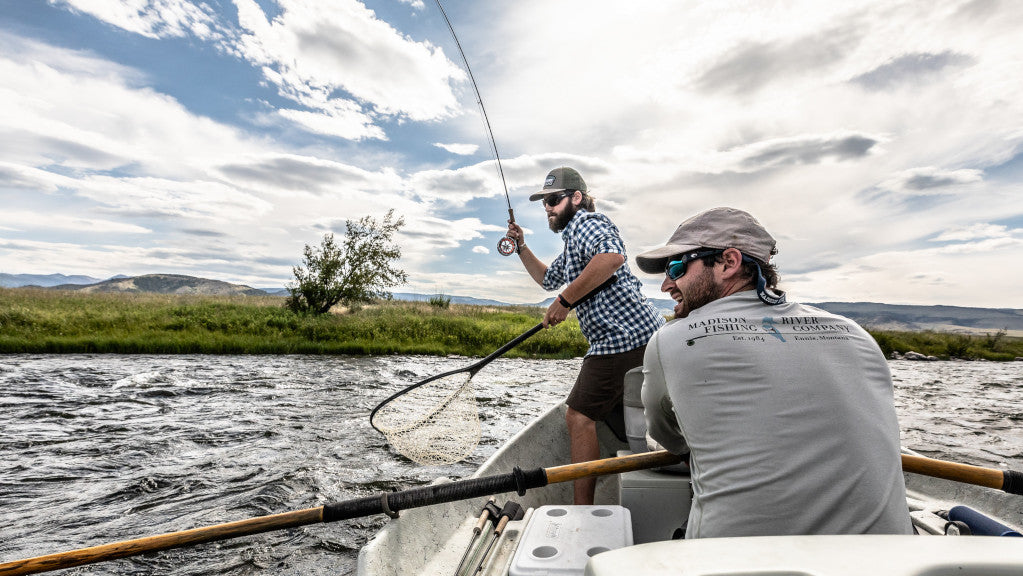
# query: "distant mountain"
899 317
868 314
408 296
915 318
43 280
165 284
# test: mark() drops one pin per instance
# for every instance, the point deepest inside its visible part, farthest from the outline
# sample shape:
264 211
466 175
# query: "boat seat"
635 421
879 555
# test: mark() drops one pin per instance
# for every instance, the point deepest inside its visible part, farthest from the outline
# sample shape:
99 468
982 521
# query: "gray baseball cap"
715 228
559 179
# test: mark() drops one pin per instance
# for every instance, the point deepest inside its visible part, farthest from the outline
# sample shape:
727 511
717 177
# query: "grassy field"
48 321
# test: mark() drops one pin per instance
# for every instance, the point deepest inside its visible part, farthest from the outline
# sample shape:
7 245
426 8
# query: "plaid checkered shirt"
619 318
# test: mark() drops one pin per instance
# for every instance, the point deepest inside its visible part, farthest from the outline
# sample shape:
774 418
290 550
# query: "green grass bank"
34 320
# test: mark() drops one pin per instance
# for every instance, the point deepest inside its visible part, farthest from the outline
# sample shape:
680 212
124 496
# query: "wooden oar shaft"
434 494
964 473
359 507
617 465
161 542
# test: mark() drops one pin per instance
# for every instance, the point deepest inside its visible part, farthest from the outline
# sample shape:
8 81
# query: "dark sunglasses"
675 269
553 200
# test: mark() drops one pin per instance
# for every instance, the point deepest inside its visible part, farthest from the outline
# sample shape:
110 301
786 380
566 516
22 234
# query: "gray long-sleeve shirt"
789 416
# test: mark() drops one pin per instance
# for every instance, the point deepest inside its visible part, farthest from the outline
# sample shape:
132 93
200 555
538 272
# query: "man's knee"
577 420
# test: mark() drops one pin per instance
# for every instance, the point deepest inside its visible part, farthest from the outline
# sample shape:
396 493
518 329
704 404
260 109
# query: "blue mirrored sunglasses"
675 269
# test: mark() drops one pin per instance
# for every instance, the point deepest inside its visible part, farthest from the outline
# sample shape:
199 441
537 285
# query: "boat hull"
432 540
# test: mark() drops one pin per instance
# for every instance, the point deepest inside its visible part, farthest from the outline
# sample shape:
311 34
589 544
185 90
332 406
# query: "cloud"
750 66
460 149
152 18
804 150
280 172
74 110
161 198
974 232
480 250
911 69
931 181
22 220
346 67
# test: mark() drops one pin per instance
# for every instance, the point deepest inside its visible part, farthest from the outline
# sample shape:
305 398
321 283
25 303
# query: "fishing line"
506 245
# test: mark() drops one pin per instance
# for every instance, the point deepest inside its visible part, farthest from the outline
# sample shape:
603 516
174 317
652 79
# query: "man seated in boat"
786 410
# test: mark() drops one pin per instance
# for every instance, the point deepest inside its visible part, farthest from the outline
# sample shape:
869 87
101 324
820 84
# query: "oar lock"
385 506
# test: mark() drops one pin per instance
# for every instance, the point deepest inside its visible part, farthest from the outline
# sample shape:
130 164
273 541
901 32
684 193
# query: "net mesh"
436 423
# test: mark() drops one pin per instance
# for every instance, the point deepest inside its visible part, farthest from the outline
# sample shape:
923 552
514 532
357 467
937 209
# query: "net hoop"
433 424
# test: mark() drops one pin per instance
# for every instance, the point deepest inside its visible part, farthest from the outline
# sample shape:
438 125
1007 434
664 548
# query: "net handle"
474 368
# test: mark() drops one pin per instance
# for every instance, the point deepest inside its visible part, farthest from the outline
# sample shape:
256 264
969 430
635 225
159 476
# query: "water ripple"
119 447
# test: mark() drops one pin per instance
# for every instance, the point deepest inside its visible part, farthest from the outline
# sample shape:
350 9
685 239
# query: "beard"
700 292
559 221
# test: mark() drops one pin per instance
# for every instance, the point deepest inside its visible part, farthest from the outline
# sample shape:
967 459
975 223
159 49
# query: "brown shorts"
598 388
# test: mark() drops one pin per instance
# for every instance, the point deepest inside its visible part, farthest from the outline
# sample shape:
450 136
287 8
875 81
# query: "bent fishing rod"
507 245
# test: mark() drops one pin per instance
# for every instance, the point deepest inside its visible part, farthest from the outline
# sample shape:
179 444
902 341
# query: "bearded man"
617 322
786 411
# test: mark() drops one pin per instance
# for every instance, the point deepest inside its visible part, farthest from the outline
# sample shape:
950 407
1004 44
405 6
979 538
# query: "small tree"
356 271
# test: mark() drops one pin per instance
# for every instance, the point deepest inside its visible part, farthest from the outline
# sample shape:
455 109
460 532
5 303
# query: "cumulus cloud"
152 18
460 149
346 67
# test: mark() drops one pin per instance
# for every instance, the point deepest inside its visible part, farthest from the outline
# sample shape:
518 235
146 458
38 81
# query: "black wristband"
564 302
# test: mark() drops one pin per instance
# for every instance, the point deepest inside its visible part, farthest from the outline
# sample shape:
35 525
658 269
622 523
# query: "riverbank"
35 320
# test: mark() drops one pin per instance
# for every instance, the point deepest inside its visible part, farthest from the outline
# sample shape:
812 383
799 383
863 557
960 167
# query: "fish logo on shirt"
768 324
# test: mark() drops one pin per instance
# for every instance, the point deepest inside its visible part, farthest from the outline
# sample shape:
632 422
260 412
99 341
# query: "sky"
881 143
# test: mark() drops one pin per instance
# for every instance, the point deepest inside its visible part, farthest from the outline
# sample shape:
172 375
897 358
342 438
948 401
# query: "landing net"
433 424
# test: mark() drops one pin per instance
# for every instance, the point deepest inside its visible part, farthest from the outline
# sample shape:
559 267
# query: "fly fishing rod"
506 245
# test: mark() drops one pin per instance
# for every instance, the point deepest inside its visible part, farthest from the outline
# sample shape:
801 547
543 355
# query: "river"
103 448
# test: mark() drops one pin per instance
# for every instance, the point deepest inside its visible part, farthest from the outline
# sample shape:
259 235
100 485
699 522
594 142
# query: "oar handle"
1009 481
618 465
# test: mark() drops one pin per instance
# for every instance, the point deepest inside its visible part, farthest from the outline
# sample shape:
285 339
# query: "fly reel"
507 246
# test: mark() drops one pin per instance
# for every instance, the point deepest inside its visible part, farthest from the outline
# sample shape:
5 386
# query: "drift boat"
639 515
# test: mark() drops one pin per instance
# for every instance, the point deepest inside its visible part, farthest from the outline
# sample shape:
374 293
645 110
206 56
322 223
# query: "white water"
103 448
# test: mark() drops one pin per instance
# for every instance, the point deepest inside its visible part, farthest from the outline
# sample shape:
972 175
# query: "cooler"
559 540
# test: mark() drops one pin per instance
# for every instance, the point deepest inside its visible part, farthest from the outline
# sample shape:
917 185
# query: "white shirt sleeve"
661 422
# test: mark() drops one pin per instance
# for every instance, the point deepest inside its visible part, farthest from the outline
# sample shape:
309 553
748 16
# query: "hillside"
873 315
165 284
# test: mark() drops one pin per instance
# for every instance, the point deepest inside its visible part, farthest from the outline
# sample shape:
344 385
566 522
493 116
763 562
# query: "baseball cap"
559 179
715 228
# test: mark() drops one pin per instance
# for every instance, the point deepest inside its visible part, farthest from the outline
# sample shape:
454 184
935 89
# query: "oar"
389 502
1009 481
474 368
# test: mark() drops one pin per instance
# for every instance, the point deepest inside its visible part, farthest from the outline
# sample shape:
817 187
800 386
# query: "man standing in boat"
786 411
617 322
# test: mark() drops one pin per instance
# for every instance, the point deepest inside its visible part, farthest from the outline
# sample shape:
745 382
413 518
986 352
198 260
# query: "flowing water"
102 448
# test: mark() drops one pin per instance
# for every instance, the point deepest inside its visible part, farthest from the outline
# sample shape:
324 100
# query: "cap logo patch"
549 181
